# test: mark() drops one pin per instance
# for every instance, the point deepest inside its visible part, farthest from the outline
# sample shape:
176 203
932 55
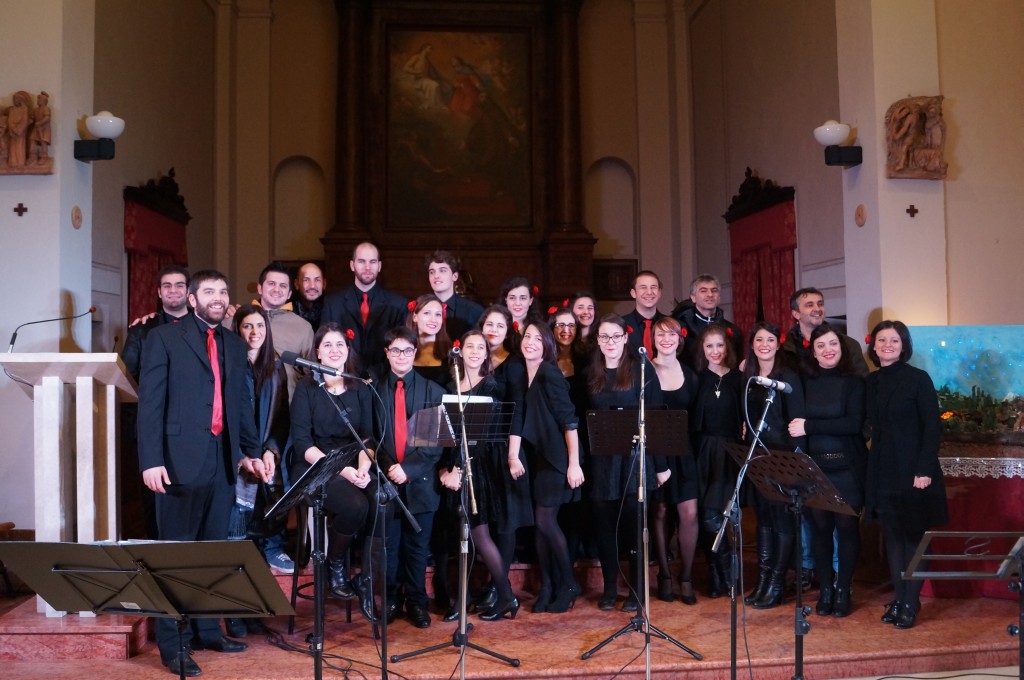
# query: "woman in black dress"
716 420
775 532
318 429
426 317
551 444
613 382
834 402
678 389
906 492
489 465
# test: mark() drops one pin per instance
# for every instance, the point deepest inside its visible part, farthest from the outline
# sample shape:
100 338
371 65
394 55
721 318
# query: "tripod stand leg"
635 625
657 632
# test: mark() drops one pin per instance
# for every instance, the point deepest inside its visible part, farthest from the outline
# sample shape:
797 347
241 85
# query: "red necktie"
401 435
217 421
648 345
364 308
444 314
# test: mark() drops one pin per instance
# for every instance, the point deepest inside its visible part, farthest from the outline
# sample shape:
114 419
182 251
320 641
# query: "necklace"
718 387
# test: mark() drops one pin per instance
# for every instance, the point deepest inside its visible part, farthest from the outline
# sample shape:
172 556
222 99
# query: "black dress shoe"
236 627
225 645
841 605
908 614
631 604
391 611
892 612
192 669
418 615
500 610
606 602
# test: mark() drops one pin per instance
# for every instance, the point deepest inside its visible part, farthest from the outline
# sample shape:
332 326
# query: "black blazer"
176 400
548 414
387 310
421 463
131 353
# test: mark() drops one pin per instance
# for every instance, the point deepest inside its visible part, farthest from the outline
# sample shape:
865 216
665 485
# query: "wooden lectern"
75 454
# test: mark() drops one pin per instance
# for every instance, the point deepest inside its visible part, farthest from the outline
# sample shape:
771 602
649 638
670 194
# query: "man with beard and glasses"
196 430
366 308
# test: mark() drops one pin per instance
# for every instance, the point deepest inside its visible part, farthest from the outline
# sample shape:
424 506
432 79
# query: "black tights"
552 549
489 554
847 527
900 546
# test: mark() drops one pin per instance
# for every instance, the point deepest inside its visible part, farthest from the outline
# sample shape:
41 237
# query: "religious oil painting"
458 128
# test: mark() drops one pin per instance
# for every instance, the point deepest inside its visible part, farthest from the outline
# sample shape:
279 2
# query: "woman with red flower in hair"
520 297
715 420
426 317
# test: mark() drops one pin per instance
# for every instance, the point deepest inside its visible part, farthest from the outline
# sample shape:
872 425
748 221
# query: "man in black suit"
460 314
414 471
699 312
195 423
646 290
365 308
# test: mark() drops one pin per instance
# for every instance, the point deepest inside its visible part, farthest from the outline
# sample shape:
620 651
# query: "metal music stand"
460 424
163 579
792 478
311 486
976 546
609 432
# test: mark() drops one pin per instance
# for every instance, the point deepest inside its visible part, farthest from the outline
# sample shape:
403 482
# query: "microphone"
642 350
774 384
14 335
295 360
454 351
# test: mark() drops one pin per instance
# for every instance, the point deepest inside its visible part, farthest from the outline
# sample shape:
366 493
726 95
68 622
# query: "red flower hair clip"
536 289
552 309
456 343
515 326
565 302
629 329
683 333
806 343
728 331
350 334
411 305
782 339
868 339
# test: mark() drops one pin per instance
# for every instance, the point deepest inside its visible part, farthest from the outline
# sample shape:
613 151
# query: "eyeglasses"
395 352
617 338
565 326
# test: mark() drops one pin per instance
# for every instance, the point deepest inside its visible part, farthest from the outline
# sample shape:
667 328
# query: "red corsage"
728 331
350 334
682 332
552 309
456 343
565 302
411 305
868 339
782 339
806 343
536 289
629 329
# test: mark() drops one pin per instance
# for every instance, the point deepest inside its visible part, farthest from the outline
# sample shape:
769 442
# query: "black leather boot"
841 606
337 550
825 595
765 559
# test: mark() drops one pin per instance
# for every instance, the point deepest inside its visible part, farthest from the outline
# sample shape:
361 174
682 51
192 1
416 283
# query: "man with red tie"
414 471
366 308
646 290
196 430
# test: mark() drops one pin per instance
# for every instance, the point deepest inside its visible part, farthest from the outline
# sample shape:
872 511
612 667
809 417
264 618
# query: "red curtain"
152 241
763 275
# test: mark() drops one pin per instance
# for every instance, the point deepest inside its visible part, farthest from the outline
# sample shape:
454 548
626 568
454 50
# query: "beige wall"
980 60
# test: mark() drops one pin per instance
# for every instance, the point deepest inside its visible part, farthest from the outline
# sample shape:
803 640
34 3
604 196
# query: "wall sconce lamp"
105 127
831 134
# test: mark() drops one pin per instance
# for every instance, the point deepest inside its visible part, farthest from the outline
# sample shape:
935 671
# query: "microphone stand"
385 493
460 638
732 516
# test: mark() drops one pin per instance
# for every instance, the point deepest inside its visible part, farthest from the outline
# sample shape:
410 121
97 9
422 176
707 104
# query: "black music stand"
163 579
975 546
609 432
461 423
792 478
311 486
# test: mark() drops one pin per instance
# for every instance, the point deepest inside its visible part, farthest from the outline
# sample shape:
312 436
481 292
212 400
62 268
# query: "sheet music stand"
1011 563
312 486
477 420
609 431
794 479
163 579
